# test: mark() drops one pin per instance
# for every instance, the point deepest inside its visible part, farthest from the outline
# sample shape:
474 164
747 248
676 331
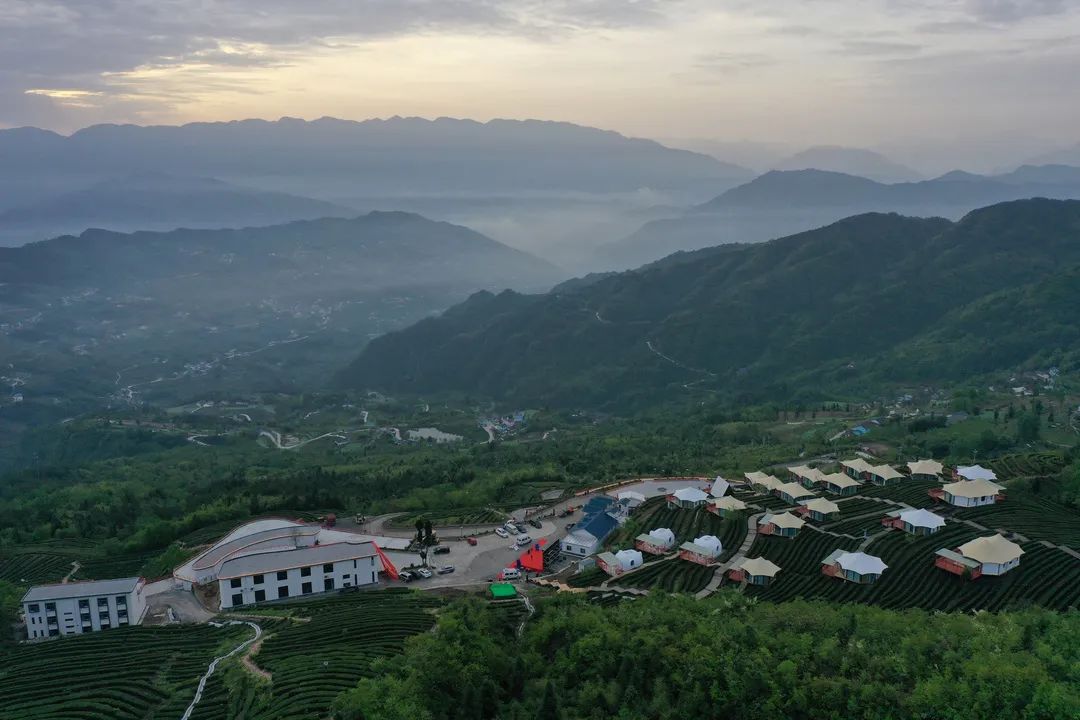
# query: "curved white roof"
975 472
710 543
629 558
861 563
925 467
630 496
991 549
922 518
691 494
663 536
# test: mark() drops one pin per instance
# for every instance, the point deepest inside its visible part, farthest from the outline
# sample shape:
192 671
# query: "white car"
422 572
501 532
524 540
508 527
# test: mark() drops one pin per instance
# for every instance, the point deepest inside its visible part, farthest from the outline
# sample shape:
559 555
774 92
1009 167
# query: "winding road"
214 663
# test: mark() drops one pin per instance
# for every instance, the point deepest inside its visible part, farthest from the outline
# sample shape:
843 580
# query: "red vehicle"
471 540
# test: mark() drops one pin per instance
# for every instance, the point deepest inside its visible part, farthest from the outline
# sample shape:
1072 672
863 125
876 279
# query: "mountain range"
875 298
780 203
852 161
120 318
157 201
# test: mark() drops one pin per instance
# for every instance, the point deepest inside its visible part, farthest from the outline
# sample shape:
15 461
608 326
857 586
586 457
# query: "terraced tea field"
1035 518
669 576
115 675
910 492
1042 464
686 524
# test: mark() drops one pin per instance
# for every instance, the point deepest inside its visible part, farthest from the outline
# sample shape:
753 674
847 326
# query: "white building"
975 472
968 493
260 577
995 554
81 607
719 487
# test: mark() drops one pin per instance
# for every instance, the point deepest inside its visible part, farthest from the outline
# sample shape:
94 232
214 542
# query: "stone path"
747 543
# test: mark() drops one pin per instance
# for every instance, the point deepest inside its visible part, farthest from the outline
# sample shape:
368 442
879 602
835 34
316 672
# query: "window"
328 568
234 583
283 591
50 606
33 607
53 632
305 572
257 579
260 595
237 599
121 600
103 602
328 584
306 588
283 575
123 621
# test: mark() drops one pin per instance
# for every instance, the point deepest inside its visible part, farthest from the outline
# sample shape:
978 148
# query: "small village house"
990 555
75 608
630 499
968 493
792 492
840 484
656 542
885 475
819 509
856 567
914 522
687 498
587 536
925 470
726 506
780 524
763 482
857 469
704 550
974 472
754 571
615 564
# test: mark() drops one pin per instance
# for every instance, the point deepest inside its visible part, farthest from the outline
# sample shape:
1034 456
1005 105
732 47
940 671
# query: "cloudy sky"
881 73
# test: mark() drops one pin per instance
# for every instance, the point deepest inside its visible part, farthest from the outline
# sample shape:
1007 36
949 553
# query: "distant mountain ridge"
780 203
851 161
852 302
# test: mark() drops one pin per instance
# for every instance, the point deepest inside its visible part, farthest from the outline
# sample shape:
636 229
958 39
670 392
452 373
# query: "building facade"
82 607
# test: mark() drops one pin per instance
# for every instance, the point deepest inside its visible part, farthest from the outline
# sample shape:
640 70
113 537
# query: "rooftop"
60 591
284 559
991 549
972 488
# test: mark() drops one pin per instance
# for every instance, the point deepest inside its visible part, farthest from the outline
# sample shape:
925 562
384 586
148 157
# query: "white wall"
345 573
970 502
68 617
999 568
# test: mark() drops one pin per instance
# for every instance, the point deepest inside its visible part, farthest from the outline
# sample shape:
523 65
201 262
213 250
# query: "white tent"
629 559
922 518
861 563
975 472
711 543
719 487
690 495
662 537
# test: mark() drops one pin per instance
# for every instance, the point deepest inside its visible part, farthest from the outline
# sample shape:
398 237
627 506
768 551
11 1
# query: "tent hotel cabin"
687 498
914 522
727 506
615 564
974 472
806 476
854 567
704 550
754 571
968 493
762 481
925 469
857 469
659 541
818 509
792 492
780 524
990 555
840 484
885 475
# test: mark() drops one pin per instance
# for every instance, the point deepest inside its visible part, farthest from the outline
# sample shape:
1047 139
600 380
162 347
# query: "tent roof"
822 505
782 520
975 472
690 494
729 502
991 549
922 518
925 467
840 480
719 487
759 566
858 465
794 489
759 478
886 471
972 488
861 563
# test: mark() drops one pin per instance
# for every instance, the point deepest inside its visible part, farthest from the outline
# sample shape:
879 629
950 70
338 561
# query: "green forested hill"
871 296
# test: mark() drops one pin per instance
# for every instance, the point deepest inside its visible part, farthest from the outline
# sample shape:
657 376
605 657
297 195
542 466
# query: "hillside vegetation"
851 303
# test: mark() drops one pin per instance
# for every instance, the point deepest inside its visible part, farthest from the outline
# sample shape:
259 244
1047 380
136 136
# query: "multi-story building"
81 607
281 574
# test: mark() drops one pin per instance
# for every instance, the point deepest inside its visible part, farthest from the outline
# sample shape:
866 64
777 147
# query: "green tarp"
503 590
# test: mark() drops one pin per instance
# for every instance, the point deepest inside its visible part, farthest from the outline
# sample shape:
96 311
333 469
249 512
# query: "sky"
907 76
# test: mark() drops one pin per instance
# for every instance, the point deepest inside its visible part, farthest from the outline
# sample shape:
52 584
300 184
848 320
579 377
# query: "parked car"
521 527
501 532
536 523
510 574
406 576
445 570
423 572
471 540
524 540
442 550
510 528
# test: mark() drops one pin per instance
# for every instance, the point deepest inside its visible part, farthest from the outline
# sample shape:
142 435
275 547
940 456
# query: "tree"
1027 428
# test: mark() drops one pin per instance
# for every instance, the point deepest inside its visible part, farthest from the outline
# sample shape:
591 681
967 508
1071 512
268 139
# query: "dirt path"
248 661
213 665
74 569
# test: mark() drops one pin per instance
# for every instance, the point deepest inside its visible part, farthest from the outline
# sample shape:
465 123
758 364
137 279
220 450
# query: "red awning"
533 559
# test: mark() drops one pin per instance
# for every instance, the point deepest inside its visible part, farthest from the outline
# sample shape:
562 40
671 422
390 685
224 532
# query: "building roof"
975 472
273 561
581 537
922 518
925 467
857 562
607 558
628 558
662 536
690 494
503 590
821 505
630 496
840 480
858 465
782 520
62 591
729 502
707 545
759 566
809 473
759 478
972 488
886 472
991 549
794 489
957 558
599 525
719 487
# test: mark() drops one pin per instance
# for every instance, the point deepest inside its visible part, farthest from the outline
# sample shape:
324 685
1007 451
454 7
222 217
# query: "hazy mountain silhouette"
852 161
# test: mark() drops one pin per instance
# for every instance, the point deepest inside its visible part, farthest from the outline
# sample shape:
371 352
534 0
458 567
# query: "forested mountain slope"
845 302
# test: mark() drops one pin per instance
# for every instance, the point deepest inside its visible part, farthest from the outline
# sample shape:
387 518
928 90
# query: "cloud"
1013 11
